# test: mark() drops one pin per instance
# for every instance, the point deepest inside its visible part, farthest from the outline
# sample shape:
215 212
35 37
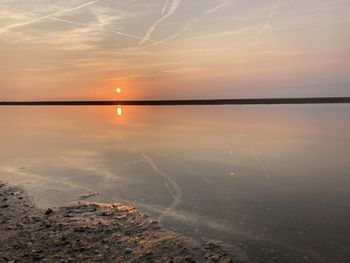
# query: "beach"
93 232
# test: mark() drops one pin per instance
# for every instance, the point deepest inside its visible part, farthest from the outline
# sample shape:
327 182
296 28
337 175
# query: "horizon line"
179 102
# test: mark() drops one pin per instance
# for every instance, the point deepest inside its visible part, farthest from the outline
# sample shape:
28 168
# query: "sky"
154 49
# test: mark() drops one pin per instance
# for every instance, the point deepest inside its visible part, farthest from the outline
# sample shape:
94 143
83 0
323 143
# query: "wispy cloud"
192 22
111 31
165 6
171 10
37 19
216 8
227 33
267 24
90 30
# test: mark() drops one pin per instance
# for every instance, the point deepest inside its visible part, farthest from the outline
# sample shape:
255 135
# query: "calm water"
271 180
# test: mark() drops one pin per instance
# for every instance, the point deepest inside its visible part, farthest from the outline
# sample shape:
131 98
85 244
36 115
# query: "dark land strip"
255 101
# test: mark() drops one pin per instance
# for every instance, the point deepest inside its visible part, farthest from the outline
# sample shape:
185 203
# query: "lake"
272 181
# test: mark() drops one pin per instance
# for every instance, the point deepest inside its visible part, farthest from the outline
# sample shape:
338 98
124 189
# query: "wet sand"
93 232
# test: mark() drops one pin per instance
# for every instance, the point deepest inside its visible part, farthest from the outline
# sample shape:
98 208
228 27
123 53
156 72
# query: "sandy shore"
89 232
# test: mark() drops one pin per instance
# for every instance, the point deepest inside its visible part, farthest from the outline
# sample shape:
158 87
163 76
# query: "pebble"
210 244
153 222
189 259
128 251
48 211
215 258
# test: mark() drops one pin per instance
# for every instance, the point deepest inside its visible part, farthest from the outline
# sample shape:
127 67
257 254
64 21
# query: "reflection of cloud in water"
43 179
196 220
261 165
174 189
187 169
62 174
227 228
131 163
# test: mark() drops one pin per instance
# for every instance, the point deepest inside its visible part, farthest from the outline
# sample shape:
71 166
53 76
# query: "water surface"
272 180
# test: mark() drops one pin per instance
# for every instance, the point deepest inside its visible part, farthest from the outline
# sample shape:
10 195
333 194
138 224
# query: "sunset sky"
76 49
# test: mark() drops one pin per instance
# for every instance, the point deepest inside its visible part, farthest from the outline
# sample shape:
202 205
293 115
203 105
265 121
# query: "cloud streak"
267 23
110 31
171 10
190 23
38 19
216 8
165 6
53 17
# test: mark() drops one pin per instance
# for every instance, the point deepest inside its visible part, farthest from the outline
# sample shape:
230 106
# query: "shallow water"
272 180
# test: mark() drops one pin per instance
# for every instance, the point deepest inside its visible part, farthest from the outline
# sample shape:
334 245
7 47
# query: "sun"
118 90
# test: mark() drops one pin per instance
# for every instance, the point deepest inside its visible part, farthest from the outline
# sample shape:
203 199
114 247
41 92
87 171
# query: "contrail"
52 17
109 31
267 23
47 16
173 7
165 6
190 23
216 8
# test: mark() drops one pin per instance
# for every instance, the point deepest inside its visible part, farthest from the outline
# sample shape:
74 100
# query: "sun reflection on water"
119 111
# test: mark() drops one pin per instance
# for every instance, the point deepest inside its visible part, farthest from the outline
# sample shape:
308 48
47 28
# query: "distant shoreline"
255 101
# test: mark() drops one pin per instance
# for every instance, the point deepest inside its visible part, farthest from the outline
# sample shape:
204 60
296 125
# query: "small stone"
128 251
48 211
189 259
215 258
153 222
5 206
210 244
